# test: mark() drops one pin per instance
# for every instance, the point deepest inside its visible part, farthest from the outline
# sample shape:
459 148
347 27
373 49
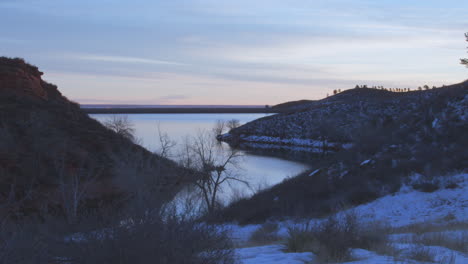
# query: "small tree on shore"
216 167
233 123
219 127
121 125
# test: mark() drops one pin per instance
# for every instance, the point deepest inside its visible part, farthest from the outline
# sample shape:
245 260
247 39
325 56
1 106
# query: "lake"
260 171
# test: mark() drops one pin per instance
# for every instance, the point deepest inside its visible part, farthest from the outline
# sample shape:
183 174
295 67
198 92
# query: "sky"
242 52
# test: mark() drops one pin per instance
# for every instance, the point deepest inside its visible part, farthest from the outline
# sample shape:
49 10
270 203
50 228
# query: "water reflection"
259 170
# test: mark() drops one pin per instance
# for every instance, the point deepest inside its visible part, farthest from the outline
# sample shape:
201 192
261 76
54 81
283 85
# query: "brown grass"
333 239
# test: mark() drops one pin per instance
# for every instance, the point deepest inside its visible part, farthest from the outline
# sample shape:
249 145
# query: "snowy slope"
407 207
272 254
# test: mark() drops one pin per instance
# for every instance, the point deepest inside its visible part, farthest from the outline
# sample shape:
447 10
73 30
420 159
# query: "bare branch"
166 143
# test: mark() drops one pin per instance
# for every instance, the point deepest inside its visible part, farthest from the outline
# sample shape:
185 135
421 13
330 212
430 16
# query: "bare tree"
465 61
219 127
216 167
233 123
166 144
74 182
121 125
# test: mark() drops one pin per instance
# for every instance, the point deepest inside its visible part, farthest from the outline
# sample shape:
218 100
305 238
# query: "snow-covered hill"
340 118
410 214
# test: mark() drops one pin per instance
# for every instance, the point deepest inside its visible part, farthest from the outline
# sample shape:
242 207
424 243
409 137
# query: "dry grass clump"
427 227
420 253
333 239
458 242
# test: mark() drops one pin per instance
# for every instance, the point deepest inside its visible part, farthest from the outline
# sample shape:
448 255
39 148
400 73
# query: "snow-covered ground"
271 254
298 144
402 209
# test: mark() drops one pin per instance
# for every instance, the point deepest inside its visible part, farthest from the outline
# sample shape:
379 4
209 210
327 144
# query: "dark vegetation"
333 239
267 233
48 143
74 191
391 135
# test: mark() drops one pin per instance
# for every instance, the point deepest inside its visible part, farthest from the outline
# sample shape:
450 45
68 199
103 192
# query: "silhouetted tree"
233 123
426 87
219 127
335 91
121 125
465 61
216 166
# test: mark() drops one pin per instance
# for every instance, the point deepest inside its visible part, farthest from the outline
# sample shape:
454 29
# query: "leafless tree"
219 127
121 125
74 182
233 123
166 144
216 167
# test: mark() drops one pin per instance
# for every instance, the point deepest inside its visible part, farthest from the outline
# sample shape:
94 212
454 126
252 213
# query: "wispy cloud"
255 51
121 59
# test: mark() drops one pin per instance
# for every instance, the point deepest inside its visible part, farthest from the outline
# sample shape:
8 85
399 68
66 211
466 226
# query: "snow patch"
314 172
273 254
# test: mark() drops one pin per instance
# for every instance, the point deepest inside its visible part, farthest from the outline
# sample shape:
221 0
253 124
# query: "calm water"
259 171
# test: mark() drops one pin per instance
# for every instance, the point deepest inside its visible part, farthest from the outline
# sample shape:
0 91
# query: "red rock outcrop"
21 78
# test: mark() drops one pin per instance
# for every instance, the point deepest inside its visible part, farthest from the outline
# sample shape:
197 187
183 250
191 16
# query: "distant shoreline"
195 110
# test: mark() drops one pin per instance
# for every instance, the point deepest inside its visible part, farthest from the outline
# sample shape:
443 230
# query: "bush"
172 240
421 253
332 239
23 244
267 233
427 187
458 242
300 239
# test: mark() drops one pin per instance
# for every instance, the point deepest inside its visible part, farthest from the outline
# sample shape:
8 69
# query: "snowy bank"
291 143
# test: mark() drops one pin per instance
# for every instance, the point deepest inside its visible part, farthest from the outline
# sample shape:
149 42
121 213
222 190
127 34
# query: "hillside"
379 140
53 156
434 222
339 119
291 106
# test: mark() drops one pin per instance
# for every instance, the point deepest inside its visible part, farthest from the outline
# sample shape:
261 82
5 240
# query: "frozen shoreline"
295 144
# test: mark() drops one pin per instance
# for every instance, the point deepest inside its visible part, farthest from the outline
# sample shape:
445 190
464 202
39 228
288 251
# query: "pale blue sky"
234 52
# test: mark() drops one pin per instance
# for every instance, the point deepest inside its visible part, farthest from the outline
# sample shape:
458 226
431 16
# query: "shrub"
332 239
23 244
457 241
427 187
172 240
300 239
362 196
421 253
265 234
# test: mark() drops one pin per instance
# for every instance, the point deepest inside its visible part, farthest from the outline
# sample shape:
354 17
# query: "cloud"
121 59
171 99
